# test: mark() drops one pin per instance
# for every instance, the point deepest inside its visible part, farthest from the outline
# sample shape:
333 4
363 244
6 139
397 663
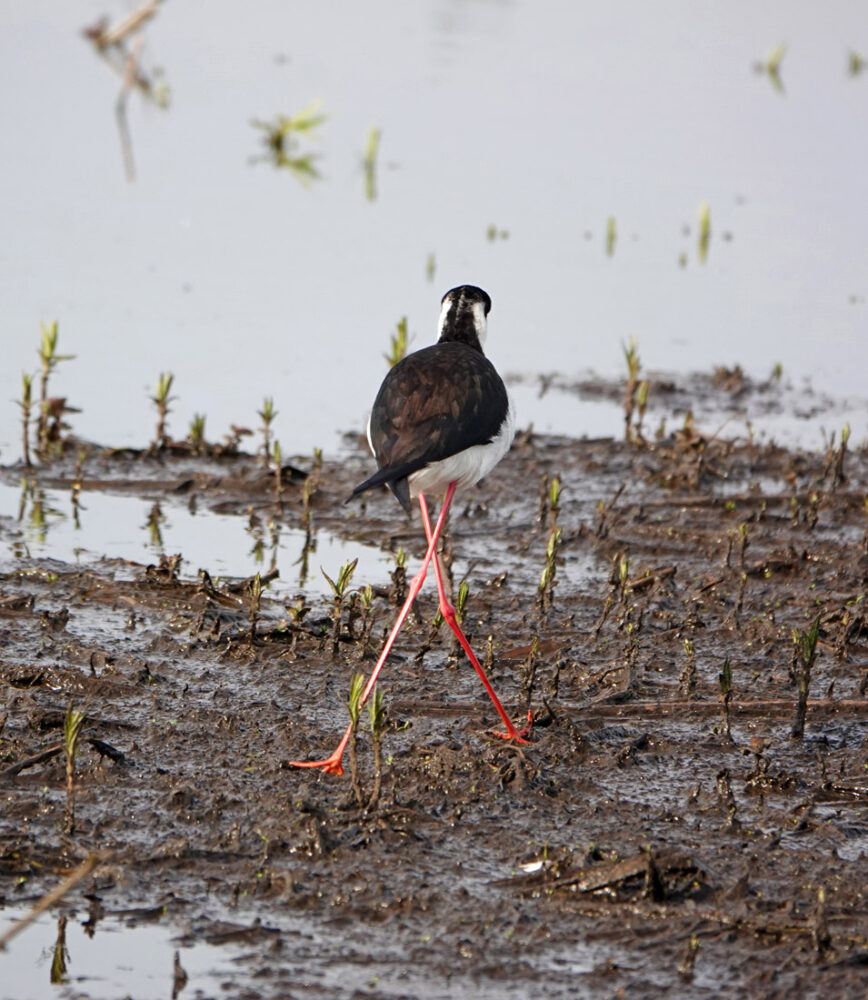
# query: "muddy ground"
634 848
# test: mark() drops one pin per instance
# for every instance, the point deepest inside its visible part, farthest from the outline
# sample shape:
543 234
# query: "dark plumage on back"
419 417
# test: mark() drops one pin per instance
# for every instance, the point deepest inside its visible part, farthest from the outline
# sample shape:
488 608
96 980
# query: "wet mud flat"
664 833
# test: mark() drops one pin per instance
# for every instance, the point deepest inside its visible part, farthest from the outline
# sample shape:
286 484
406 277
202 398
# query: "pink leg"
332 764
448 612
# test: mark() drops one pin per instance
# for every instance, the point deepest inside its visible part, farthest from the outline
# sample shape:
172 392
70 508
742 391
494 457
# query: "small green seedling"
161 399
277 459
48 359
398 344
266 415
196 435
377 719
255 589
804 654
25 404
357 688
339 588
72 725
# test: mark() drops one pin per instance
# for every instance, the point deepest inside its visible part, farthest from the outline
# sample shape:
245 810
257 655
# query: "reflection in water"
282 139
771 67
370 164
154 524
60 958
121 47
52 523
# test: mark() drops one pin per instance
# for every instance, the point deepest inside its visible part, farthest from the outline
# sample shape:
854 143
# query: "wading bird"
441 421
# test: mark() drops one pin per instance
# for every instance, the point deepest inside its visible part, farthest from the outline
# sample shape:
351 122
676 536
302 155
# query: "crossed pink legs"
332 764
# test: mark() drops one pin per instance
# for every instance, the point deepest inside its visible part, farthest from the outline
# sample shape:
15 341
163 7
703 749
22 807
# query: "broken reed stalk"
839 455
72 726
529 673
255 588
54 896
687 680
61 954
725 680
805 654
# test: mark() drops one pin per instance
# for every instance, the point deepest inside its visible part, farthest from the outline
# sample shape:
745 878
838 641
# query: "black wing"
433 404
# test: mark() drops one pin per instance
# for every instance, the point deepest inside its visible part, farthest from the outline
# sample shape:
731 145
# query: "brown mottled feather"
433 404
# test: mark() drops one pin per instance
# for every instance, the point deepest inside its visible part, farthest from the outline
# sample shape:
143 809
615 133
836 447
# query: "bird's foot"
516 735
331 765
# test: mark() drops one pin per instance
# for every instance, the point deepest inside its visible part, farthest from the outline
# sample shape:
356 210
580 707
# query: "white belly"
468 466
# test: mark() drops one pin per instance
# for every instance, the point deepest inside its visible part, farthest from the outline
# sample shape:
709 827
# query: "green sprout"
398 345
635 396
804 654
266 415
554 494
339 589
357 688
277 456
72 725
377 719
161 400
49 359
196 435
547 580
430 266
25 404
255 589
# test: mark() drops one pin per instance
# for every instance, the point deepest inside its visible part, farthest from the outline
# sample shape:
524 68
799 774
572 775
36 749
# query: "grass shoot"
161 399
398 344
804 654
72 725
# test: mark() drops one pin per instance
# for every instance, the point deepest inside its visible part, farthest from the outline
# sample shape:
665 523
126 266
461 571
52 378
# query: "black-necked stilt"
441 421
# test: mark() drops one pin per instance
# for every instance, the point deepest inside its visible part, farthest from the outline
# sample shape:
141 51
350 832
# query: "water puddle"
61 958
49 524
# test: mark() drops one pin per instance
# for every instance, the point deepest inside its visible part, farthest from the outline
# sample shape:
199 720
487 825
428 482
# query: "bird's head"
463 315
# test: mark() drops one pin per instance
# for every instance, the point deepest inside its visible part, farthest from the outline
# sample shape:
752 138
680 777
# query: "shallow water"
541 119
126 527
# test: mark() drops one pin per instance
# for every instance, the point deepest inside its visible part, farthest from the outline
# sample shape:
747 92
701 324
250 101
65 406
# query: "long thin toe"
331 765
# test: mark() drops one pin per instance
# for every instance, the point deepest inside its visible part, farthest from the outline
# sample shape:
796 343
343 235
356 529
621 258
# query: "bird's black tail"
396 479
